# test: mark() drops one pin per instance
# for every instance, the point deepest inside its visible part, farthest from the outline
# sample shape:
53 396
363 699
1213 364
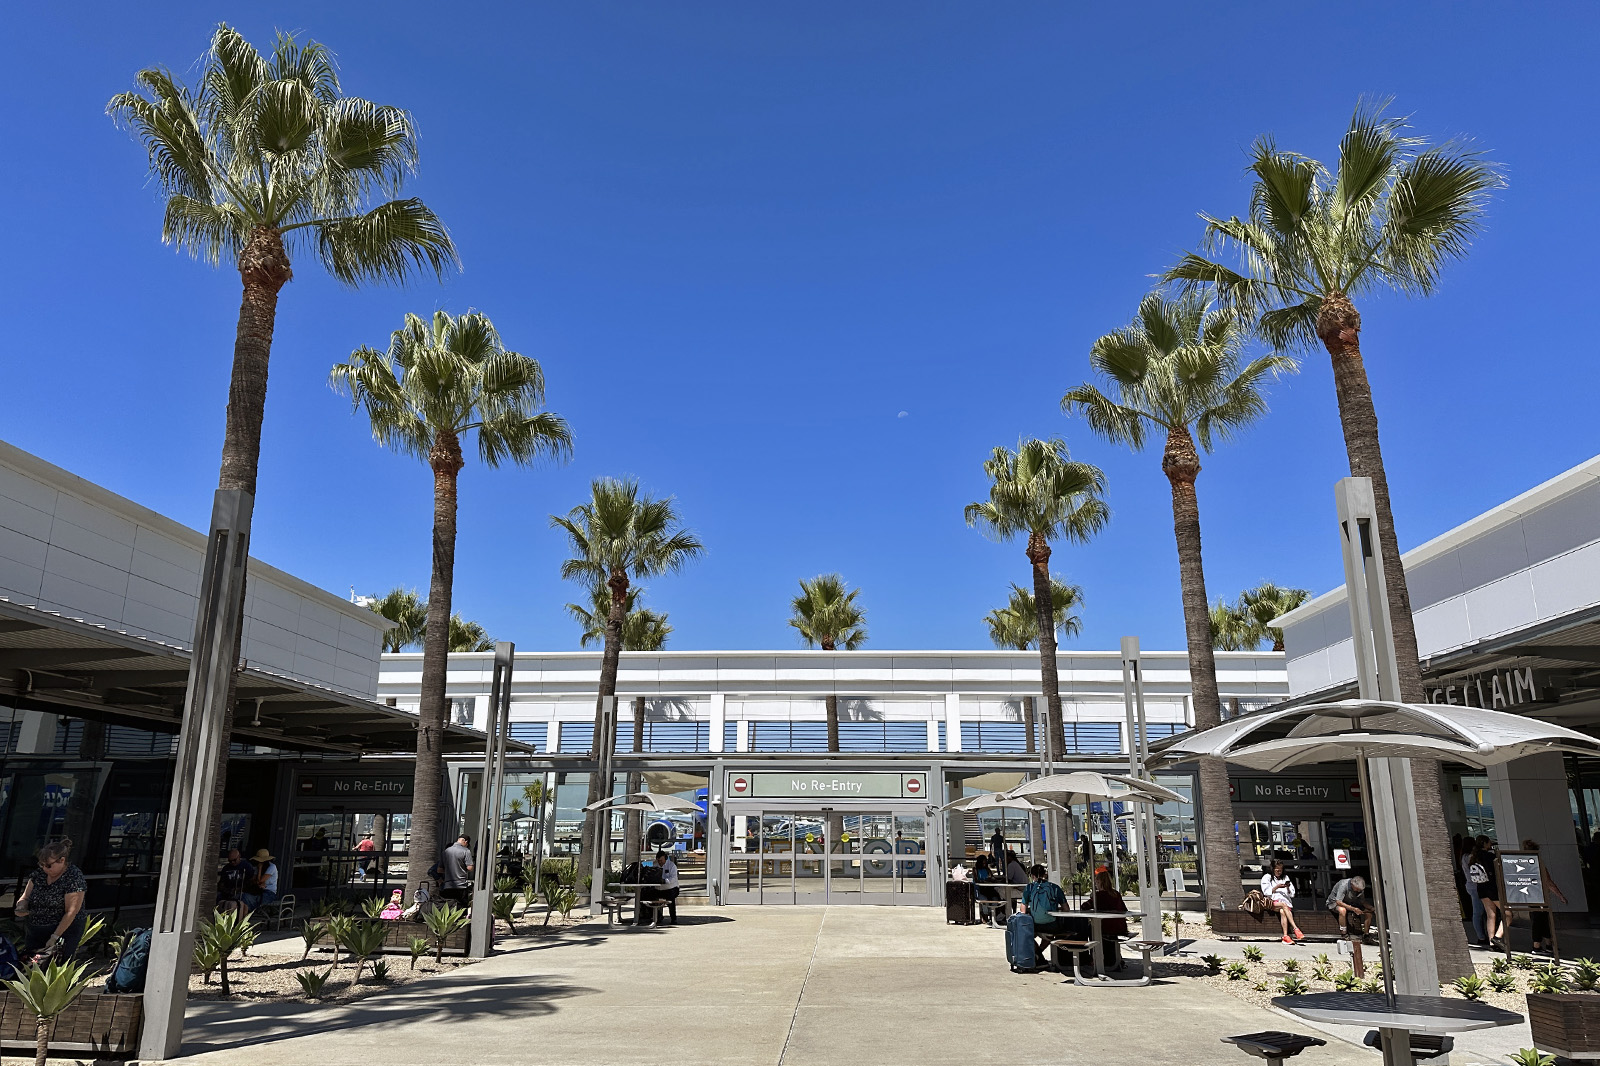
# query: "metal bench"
614 905
988 908
1273 1046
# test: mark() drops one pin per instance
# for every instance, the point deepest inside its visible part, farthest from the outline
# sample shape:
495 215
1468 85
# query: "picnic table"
1395 1024
638 900
1009 895
1097 919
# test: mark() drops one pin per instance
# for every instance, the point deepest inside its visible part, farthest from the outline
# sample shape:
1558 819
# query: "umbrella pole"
1384 959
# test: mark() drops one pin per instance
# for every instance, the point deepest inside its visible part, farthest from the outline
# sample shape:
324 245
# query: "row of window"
1083 738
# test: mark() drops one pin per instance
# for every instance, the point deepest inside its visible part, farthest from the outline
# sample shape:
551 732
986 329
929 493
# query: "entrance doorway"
833 857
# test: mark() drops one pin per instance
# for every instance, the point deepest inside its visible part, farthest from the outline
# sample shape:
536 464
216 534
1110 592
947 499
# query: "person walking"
51 905
1279 892
456 877
1480 930
1543 940
1480 873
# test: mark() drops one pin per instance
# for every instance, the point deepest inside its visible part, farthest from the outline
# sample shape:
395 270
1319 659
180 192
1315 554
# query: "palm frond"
388 243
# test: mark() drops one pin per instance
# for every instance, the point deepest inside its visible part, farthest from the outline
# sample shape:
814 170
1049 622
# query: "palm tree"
642 630
1232 629
440 380
829 618
263 157
1266 603
1040 493
620 536
408 612
1177 371
1392 216
1016 625
469 636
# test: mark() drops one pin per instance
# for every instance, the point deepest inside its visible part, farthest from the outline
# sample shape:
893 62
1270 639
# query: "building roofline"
67 481
898 653
1563 484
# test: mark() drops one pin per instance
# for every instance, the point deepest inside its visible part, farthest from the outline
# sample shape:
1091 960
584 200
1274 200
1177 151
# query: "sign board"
1520 872
1341 858
351 786
826 786
1291 788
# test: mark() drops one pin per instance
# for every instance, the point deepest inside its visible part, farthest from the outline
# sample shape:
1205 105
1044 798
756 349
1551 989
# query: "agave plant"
1345 981
1213 963
1549 979
1261 986
1586 974
559 898
1323 972
1524 962
503 906
339 929
1237 971
1371 985
380 970
1470 986
364 941
1291 966
206 959
373 906
507 884
1253 954
1291 985
226 932
46 993
312 982
1531 1057
1501 964
443 920
419 948
1321 959
1503 981
313 932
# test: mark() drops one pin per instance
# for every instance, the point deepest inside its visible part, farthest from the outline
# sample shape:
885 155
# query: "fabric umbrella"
1369 729
1084 786
994 800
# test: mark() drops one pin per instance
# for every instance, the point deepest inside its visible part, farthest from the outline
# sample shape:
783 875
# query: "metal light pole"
481 939
602 825
1144 813
1056 825
188 859
1394 843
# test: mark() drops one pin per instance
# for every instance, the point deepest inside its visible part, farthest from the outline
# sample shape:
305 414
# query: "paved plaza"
797 986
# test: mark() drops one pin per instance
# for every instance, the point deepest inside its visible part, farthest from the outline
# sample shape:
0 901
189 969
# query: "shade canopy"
1000 800
644 801
1333 732
1087 786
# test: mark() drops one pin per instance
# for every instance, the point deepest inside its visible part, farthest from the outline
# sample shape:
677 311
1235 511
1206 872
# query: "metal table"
1009 894
638 898
1096 920
1395 1024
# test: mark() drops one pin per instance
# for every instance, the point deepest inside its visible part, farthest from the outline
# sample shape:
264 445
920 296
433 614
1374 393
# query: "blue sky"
802 267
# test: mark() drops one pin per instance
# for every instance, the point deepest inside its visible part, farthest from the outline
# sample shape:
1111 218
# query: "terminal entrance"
833 857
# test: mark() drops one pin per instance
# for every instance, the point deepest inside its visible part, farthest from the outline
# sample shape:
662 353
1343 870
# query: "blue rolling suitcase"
1019 944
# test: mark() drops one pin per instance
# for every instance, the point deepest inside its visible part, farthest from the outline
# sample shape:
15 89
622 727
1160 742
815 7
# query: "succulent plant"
1237 971
1471 986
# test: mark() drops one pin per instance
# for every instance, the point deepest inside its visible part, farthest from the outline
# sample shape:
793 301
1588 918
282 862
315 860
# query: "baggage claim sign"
826 786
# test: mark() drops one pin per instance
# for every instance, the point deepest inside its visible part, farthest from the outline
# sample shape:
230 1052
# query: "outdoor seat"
988 908
281 911
1423 1045
614 905
654 907
1273 1046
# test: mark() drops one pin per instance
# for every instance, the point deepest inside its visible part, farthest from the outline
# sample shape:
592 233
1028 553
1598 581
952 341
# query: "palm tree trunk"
41 1033
830 707
597 824
1039 555
428 780
263 272
634 819
1339 327
1219 853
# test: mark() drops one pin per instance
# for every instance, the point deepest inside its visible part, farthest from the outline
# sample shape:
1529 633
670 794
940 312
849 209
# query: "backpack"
128 974
631 872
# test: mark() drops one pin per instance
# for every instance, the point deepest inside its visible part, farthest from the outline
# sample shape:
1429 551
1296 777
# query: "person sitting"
231 883
1350 907
667 895
1015 873
1279 893
261 887
51 906
1107 898
1038 900
395 907
981 875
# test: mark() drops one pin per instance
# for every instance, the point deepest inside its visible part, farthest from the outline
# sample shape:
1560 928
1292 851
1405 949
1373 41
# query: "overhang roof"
84 668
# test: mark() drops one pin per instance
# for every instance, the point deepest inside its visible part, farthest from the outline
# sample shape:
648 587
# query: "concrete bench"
1273 1046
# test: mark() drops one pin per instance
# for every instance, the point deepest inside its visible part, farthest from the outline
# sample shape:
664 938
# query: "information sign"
1520 871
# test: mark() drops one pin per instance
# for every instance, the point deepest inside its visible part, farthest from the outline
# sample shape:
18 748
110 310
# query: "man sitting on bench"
667 895
1350 907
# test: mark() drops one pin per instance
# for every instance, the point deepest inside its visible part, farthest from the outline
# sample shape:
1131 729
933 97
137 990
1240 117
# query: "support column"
495 710
718 720
952 721
933 734
1531 802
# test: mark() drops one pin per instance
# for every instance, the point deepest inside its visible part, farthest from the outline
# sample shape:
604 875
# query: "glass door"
777 858
810 873
910 839
845 868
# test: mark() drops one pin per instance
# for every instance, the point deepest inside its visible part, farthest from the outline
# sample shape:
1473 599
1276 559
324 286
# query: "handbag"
1254 903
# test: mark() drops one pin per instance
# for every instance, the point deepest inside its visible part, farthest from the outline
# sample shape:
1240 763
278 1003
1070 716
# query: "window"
461 711
1093 738
535 733
788 736
994 736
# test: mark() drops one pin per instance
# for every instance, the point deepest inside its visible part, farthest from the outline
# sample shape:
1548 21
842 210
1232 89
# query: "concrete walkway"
793 986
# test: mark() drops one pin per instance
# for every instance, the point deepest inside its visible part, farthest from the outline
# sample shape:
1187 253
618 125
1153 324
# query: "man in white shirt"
668 892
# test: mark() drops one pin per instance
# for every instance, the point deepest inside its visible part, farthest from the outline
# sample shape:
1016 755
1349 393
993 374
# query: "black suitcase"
958 906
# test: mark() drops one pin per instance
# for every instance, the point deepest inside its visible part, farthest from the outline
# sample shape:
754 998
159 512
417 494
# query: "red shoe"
1286 940
1298 935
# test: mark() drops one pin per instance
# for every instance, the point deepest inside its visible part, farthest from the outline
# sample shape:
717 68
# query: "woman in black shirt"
52 904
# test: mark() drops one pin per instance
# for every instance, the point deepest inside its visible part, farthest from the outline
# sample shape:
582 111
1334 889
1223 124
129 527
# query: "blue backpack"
128 974
10 961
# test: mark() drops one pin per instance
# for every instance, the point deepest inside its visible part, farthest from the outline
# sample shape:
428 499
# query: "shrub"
226 932
1345 981
1532 1057
1549 979
1524 962
1586 975
419 948
1293 986
364 941
1213 963
1291 966
1471 986
1253 954
312 982
1323 972
380 970
313 932
504 907
1237 971
1503 982
561 871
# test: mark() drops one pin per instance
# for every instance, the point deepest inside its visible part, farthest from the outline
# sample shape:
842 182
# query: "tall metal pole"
189 857
481 939
1394 843
602 825
1144 815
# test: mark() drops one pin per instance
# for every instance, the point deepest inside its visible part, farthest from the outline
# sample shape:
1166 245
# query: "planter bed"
1565 1023
398 935
101 1022
1234 924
